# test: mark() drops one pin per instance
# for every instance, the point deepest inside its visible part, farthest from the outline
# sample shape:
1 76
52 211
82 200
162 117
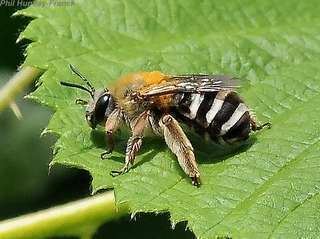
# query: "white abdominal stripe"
224 109
216 106
195 103
235 117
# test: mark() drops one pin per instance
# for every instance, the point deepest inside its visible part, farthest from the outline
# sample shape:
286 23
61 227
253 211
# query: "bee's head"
99 108
100 105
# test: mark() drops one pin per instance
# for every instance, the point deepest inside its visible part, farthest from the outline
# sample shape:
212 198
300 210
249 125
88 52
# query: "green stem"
76 218
17 84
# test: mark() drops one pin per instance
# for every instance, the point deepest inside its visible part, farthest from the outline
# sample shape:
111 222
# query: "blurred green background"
24 156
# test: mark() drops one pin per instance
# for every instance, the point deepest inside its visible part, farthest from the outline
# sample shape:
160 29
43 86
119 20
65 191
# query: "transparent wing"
191 83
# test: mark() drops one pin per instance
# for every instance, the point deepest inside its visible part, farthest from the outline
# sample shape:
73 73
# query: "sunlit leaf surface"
267 188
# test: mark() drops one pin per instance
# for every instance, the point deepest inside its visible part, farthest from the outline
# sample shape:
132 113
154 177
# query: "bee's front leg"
111 126
134 143
180 145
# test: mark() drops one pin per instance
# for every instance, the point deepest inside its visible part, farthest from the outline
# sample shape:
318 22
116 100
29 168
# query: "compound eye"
101 107
102 103
103 100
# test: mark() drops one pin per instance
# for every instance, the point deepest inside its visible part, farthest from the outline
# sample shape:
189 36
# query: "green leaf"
266 188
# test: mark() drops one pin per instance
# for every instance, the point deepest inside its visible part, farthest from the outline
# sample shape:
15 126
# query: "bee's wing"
191 83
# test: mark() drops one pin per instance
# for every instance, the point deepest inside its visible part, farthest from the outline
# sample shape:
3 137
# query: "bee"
207 103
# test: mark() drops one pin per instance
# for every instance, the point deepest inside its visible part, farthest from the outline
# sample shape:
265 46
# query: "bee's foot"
268 125
106 154
195 181
81 102
115 173
265 125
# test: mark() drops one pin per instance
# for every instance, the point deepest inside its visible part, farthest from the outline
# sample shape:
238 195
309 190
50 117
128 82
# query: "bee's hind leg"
134 143
180 145
262 126
257 126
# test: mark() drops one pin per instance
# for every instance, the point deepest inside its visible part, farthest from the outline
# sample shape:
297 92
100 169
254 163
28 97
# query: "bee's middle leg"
134 143
180 145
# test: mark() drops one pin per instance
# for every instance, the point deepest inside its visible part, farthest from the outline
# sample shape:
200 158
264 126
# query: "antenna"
76 86
75 71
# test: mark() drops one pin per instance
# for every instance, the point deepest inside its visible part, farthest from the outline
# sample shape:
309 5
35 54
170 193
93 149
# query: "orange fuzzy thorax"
136 82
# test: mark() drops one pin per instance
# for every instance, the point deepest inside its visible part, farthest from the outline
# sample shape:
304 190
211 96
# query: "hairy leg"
180 145
111 126
134 143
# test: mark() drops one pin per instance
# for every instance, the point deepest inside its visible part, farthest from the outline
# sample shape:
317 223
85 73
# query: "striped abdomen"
220 114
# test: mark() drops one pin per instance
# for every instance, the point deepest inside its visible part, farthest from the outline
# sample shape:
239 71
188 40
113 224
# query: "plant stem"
16 84
79 218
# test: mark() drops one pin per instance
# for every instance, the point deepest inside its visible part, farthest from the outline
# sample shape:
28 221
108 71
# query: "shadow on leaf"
150 147
207 152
